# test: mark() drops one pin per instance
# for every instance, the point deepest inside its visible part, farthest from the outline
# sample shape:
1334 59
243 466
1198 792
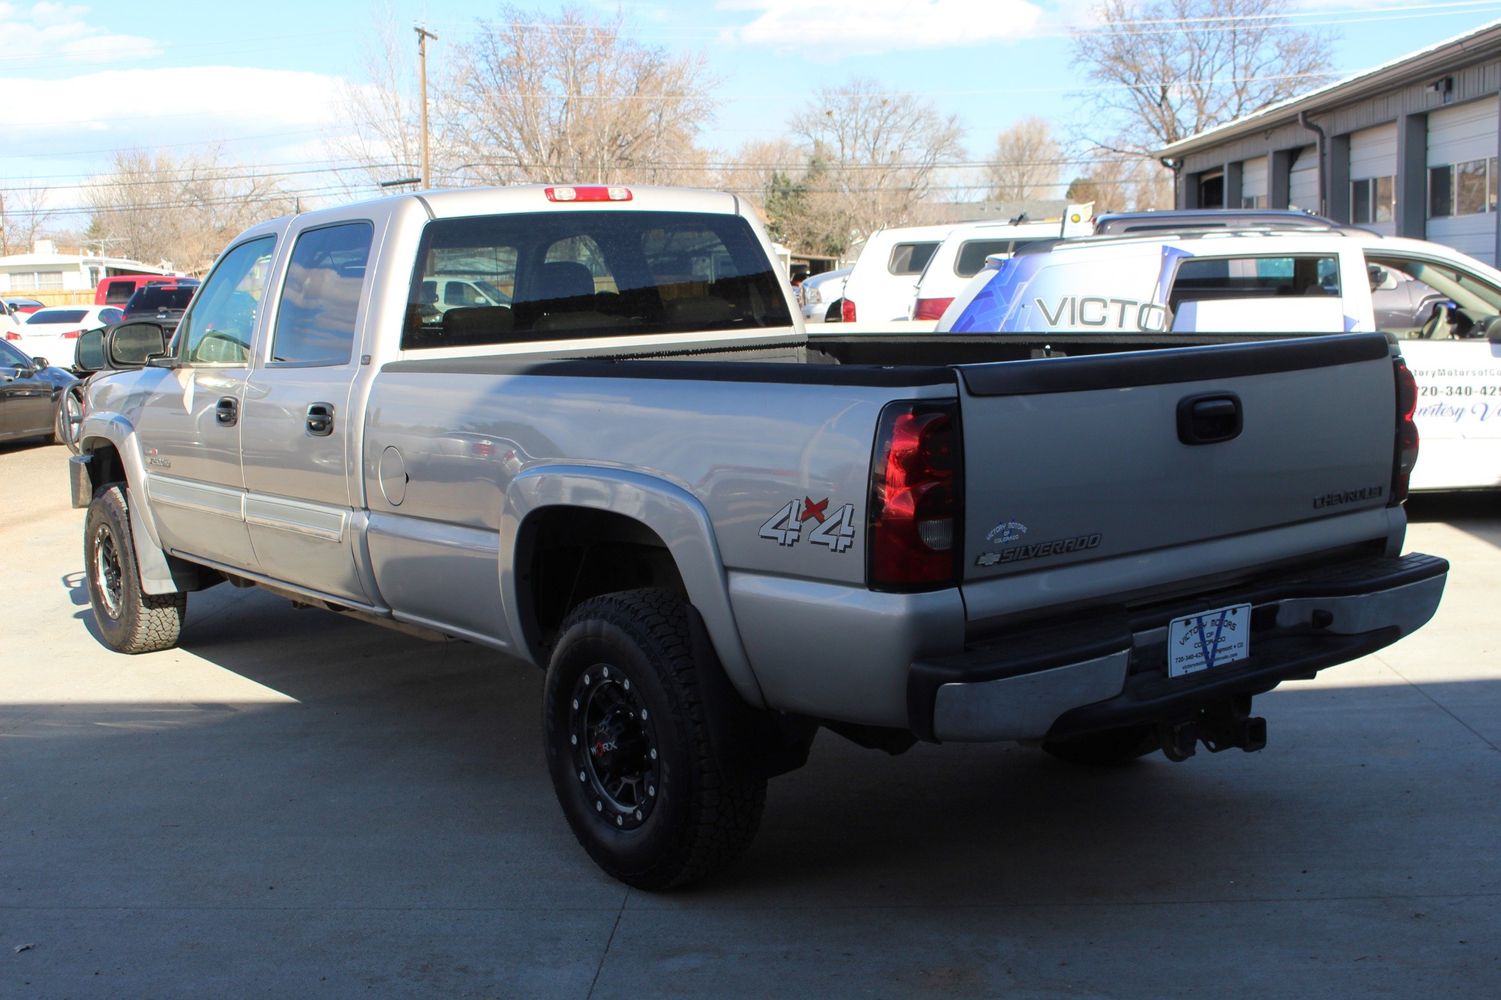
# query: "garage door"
1253 183
1373 178
1303 180
1461 177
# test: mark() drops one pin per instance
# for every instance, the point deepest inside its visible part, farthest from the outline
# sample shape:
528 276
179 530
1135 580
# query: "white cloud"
868 27
45 33
141 100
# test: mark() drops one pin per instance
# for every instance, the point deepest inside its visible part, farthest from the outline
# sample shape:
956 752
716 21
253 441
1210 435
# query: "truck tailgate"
1074 460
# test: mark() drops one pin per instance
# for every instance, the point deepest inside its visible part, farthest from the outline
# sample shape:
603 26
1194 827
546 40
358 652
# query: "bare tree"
1168 69
876 153
24 216
1025 164
1116 182
179 212
385 139
572 99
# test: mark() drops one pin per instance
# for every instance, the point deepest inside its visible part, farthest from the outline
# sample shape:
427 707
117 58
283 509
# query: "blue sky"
263 80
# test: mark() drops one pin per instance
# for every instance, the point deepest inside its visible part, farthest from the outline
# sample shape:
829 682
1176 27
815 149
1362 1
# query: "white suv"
1305 281
961 255
881 286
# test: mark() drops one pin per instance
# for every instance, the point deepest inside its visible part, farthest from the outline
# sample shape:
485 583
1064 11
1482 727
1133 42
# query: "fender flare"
675 515
156 571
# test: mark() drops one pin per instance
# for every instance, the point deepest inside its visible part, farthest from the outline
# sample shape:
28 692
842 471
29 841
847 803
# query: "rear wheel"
1108 748
129 619
624 726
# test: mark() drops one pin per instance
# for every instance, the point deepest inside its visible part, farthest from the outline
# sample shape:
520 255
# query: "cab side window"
217 330
1204 278
320 299
910 258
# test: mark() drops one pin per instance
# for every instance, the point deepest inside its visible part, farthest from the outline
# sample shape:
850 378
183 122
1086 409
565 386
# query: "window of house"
1468 188
1373 199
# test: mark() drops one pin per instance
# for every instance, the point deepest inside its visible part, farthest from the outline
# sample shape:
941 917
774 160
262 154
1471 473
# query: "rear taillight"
931 308
12 335
72 334
1407 434
916 480
847 311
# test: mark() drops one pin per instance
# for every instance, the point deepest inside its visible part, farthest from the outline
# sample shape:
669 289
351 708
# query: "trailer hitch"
1219 726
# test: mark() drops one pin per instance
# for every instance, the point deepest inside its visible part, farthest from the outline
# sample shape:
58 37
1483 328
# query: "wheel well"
567 555
104 466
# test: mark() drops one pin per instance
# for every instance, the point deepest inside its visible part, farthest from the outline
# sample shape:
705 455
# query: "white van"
882 283
1442 307
961 255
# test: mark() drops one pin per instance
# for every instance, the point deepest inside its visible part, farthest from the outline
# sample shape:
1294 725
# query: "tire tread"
727 811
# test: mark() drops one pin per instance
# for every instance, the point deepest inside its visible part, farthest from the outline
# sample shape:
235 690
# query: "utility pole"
422 36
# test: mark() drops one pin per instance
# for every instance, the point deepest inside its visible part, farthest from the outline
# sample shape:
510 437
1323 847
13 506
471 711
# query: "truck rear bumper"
1099 670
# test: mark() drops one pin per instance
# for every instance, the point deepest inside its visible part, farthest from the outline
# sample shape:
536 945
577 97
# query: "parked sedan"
52 333
22 305
30 393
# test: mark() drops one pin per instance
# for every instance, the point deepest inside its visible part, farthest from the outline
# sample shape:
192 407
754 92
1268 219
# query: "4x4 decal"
835 530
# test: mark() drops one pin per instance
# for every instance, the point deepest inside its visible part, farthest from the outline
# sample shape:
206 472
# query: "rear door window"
320 299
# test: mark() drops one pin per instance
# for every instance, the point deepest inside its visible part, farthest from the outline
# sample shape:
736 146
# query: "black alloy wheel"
613 746
628 749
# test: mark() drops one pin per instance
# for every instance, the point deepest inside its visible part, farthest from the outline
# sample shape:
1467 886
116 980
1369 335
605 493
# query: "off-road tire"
129 620
696 819
1108 748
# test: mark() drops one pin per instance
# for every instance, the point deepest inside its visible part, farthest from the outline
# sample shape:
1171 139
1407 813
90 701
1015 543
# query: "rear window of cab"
565 275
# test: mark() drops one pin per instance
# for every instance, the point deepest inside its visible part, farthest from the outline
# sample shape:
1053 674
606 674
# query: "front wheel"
129 619
624 727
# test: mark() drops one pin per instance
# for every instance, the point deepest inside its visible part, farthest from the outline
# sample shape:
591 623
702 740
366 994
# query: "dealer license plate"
1208 640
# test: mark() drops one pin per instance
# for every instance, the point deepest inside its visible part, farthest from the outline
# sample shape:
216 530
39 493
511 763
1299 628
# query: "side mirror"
39 362
88 354
134 344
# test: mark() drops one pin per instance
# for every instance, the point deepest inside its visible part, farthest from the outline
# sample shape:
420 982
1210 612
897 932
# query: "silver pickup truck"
584 426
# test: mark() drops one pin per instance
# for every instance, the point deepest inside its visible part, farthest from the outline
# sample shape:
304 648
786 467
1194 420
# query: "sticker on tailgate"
1208 640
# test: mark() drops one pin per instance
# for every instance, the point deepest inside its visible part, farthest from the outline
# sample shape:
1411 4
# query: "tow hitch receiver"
1220 726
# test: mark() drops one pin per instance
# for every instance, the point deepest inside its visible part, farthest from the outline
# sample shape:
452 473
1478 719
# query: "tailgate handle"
1209 419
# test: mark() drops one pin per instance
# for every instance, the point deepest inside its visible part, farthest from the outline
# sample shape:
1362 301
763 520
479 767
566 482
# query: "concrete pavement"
296 805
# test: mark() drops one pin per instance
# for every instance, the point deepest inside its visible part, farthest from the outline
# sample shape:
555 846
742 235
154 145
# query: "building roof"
1439 59
54 261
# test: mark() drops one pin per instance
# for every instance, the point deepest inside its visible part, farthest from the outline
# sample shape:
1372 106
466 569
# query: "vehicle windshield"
156 297
58 316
